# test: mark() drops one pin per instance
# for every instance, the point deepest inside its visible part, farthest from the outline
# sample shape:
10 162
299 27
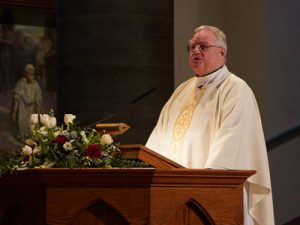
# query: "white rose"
68 118
34 119
68 146
106 139
27 150
45 120
52 122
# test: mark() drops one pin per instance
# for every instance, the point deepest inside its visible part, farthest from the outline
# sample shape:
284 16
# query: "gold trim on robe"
182 124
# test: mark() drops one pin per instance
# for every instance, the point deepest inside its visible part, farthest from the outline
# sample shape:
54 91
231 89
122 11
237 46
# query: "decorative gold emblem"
181 126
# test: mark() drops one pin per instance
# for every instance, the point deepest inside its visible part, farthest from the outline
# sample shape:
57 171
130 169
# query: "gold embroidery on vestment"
182 124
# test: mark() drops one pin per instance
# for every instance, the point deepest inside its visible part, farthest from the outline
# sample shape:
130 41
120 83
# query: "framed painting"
28 74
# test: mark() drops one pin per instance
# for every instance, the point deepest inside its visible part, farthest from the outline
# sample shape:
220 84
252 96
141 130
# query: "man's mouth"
196 58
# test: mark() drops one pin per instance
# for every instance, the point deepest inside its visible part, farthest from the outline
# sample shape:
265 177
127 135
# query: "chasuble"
214 122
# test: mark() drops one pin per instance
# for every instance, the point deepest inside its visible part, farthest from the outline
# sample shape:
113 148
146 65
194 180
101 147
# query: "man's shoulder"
234 81
234 85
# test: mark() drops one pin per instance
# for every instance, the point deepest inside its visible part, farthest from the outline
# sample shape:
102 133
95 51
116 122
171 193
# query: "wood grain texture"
138 151
123 196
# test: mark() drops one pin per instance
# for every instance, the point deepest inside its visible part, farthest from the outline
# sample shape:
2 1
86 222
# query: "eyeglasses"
202 47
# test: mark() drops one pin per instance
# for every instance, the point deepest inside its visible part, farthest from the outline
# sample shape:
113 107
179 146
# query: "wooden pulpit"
166 194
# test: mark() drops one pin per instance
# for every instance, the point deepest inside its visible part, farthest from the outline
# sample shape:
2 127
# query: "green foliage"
65 146
129 163
9 162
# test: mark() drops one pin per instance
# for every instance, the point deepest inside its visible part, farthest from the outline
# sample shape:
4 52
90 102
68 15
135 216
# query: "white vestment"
218 126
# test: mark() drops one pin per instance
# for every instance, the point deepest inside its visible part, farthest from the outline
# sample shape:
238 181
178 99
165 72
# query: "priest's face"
205 55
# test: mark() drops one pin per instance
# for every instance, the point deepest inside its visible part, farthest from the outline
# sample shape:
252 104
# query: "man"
212 121
27 99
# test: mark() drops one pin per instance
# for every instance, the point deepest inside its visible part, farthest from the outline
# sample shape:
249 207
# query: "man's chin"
199 72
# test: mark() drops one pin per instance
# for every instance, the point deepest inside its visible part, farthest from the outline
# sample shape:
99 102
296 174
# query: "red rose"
93 151
60 139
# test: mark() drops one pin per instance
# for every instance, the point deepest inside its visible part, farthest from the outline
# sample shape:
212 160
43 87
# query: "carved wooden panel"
99 213
192 213
122 197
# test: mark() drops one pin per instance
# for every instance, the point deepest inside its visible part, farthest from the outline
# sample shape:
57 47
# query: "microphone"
134 101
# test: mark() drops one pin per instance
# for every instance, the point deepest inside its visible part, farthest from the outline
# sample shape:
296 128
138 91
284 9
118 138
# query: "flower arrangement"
66 146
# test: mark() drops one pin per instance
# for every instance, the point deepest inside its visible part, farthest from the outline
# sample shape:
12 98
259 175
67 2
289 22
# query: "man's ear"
222 51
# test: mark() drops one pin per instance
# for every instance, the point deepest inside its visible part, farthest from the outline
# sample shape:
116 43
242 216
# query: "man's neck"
209 72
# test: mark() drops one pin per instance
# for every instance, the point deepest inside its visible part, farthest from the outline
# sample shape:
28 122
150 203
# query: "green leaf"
71 161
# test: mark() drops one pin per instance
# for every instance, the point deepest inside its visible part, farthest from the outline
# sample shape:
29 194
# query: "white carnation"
68 118
106 139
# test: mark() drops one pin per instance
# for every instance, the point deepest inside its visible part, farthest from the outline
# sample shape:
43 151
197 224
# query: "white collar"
205 80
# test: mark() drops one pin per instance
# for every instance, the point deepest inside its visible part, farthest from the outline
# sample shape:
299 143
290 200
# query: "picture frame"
27 36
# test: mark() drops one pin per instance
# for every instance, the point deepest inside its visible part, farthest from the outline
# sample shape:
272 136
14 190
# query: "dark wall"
282 105
111 52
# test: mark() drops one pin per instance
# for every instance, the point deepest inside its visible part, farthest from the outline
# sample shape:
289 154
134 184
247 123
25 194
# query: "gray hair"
29 67
219 34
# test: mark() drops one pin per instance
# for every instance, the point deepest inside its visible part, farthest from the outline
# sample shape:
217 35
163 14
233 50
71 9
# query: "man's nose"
197 49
